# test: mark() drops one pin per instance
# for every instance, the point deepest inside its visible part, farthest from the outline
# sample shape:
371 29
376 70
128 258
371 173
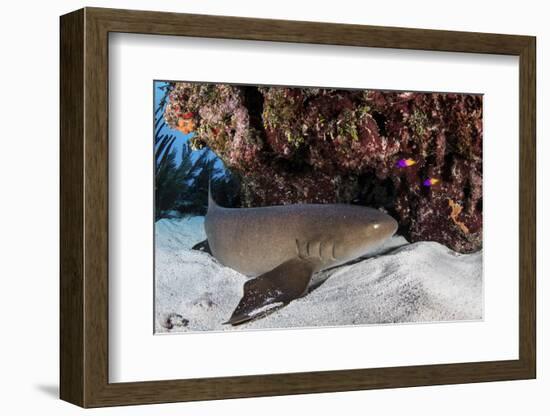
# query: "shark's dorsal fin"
211 203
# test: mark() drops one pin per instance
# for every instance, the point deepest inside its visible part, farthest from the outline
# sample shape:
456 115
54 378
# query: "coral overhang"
323 145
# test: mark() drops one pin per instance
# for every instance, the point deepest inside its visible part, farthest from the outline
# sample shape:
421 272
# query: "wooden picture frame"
84 207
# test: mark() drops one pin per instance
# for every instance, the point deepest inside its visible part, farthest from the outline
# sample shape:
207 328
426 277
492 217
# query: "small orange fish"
430 182
186 123
405 163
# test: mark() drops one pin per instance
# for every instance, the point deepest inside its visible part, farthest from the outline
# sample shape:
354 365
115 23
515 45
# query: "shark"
281 247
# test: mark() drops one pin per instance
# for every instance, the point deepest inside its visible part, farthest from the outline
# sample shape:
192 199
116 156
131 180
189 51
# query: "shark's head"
362 230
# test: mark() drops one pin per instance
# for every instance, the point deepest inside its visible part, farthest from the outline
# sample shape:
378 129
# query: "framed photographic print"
256 207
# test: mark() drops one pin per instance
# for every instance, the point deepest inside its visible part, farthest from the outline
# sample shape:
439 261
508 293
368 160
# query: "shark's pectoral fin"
272 290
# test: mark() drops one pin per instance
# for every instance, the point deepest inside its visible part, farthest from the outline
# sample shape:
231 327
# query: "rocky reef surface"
416 155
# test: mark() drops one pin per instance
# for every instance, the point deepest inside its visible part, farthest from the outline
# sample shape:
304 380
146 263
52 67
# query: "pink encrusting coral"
221 118
377 148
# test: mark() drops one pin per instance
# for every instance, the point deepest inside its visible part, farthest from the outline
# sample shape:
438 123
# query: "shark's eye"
372 229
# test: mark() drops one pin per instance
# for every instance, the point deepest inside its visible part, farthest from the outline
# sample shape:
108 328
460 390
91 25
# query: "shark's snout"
388 226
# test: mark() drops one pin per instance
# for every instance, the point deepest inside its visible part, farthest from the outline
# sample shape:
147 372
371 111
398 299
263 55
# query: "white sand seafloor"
399 283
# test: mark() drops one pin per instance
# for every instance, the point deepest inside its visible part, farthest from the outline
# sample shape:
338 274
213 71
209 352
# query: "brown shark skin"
253 241
284 245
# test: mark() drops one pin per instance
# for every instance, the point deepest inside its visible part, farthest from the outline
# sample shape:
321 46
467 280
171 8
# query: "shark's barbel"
283 246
